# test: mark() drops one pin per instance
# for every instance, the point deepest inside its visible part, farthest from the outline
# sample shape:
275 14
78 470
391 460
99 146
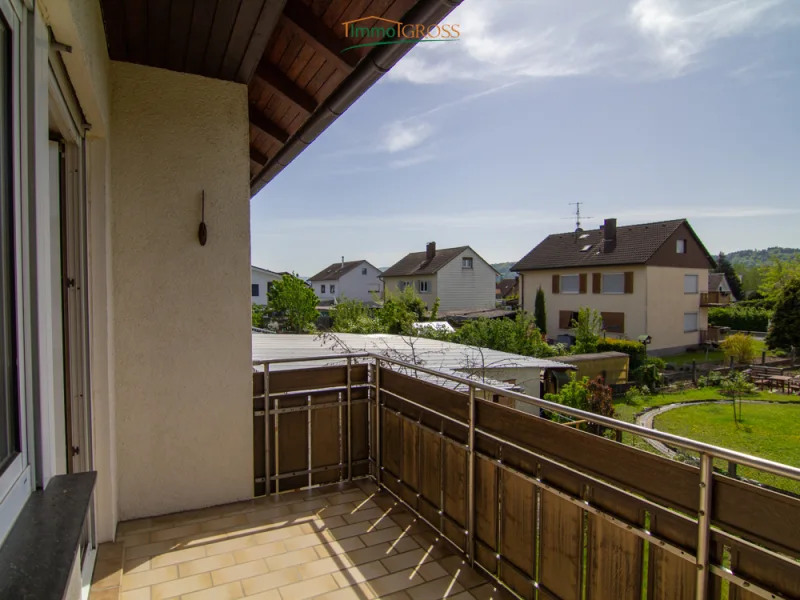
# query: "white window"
322 289
690 283
680 247
689 322
570 284
333 289
364 271
422 286
613 283
466 263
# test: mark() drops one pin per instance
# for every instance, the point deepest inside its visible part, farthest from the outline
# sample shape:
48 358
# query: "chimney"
609 235
430 250
343 262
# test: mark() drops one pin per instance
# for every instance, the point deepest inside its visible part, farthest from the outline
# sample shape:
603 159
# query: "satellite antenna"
577 206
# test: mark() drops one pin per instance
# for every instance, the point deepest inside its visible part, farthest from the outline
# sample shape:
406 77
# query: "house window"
565 319
322 289
689 322
680 247
570 284
614 283
466 263
422 286
333 289
269 286
364 271
254 290
690 283
403 285
613 322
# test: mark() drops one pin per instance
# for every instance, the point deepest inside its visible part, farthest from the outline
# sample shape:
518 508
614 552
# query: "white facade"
359 283
260 283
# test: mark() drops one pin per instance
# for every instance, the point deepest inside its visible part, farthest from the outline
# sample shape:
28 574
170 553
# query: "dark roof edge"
376 64
700 243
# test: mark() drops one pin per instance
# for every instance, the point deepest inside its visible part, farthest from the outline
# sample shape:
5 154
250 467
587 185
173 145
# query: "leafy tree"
400 311
587 328
600 403
740 318
435 310
784 331
776 276
540 311
260 314
725 267
736 385
353 316
741 347
291 299
649 373
518 336
591 396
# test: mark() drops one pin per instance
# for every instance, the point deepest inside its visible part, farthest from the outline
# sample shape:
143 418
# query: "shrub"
648 374
636 350
635 395
785 330
741 319
587 328
741 347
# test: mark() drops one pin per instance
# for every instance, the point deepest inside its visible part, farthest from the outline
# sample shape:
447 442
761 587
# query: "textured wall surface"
181 311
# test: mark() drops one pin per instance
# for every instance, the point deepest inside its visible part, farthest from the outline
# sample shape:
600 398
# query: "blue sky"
642 109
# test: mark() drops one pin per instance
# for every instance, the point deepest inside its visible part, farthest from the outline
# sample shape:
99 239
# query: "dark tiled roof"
714 281
417 263
336 270
636 244
506 286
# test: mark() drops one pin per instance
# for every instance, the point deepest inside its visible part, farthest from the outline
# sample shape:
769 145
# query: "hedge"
739 318
636 350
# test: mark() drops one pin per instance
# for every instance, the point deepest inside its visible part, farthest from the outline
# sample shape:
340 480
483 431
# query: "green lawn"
714 356
767 430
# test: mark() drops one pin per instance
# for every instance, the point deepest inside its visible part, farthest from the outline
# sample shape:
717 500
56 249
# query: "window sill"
37 557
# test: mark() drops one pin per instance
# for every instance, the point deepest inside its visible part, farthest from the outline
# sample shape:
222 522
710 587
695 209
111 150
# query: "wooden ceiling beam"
319 35
279 83
257 157
262 122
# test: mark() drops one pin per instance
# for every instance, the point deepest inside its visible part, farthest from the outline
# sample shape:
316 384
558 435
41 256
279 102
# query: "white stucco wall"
263 279
667 304
181 315
355 285
458 288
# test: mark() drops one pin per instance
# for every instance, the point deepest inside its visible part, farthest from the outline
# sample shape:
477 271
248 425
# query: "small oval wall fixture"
202 233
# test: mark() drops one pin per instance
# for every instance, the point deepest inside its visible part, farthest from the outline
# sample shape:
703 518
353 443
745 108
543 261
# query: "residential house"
718 282
645 280
354 279
507 291
261 281
459 277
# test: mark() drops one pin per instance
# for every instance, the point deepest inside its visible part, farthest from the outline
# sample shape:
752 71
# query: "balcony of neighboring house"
712 335
374 477
715 299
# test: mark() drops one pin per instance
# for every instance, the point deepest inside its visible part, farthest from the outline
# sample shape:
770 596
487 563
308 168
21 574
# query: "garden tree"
776 276
540 312
259 316
725 267
784 330
591 396
353 316
587 328
600 403
291 299
435 309
518 336
649 374
741 347
736 385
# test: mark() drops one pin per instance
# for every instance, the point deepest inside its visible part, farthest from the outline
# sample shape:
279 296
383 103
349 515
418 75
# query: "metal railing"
707 454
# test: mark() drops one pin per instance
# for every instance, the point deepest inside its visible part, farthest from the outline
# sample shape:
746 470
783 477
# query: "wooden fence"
549 511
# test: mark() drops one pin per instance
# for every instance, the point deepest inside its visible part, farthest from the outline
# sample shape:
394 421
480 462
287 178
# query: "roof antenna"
577 206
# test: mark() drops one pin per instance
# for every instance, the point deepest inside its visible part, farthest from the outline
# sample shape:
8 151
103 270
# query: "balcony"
714 299
712 335
375 476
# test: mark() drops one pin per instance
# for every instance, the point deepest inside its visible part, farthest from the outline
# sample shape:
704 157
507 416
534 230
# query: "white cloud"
404 135
504 40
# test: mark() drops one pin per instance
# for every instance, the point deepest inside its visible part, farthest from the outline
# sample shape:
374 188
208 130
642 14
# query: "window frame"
467 262
680 246
569 277
363 270
255 290
332 288
420 284
603 289
321 288
696 322
696 284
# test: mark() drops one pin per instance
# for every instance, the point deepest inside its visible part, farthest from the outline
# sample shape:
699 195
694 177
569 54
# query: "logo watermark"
395 32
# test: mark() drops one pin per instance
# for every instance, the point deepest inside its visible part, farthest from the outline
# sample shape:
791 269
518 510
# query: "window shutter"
556 282
563 319
613 322
628 282
597 283
582 283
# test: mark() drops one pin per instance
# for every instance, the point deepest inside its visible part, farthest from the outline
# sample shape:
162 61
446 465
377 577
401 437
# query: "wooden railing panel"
430 481
561 547
312 379
293 445
455 493
672 576
326 447
448 402
518 520
486 503
764 570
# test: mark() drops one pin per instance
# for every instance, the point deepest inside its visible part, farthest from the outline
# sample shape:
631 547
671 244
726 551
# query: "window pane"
689 322
254 291
681 247
570 284
614 283
690 284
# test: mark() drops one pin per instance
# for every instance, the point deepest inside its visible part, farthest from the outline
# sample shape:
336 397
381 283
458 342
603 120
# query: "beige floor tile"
395 582
463 596
327 522
340 533
323 566
106 594
230 545
490 592
360 591
437 548
366 555
140 594
135 539
134 526
364 515
336 510
270 581
276 534
224 523
177 556
229 591
178 587
136 565
304 541
110 551
106 574
406 560
340 547
268 595
151 577
397 596
265 515
205 565
290 559
175 532
431 571
446 587
360 574
390 534
148 550
315 504
465 575
353 496
239 572
257 552
309 589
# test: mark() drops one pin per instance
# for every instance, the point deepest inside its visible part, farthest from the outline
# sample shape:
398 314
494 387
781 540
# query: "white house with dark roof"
354 280
261 281
459 277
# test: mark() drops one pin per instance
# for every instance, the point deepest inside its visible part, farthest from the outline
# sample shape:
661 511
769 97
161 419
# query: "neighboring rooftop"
608 245
506 286
423 263
267 271
336 270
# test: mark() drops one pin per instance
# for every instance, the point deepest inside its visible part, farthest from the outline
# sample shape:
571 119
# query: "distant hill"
759 258
505 269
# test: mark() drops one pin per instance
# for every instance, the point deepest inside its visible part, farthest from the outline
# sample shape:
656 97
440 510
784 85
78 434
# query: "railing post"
266 428
349 421
471 480
277 450
704 525
378 420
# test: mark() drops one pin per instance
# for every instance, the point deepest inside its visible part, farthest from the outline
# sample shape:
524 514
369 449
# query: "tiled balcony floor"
339 542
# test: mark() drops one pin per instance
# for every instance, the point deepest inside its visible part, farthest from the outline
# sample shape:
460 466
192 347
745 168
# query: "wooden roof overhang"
290 53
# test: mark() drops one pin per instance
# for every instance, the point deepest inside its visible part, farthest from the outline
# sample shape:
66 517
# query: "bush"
741 319
741 347
784 333
635 395
636 350
648 374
